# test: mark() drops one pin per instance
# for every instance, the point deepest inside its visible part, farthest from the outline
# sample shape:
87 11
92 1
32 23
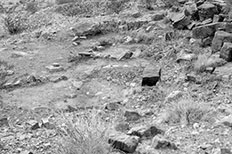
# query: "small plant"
15 23
187 112
86 134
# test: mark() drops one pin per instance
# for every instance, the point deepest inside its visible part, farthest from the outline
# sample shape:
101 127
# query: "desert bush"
15 23
187 112
85 134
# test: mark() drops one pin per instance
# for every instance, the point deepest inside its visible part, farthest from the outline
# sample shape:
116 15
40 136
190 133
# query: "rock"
122 127
158 16
86 54
77 84
159 142
205 31
123 142
174 96
4 122
206 42
180 20
54 68
169 36
227 121
113 106
120 54
26 152
132 115
225 151
185 56
151 75
226 51
86 29
218 40
128 40
145 149
207 10
146 132
190 8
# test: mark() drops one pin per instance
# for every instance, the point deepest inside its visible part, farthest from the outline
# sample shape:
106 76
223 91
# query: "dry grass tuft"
85 134
187 112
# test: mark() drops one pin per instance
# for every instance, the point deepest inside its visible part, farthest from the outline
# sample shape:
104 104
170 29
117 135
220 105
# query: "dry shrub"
15 23
187 112
85 134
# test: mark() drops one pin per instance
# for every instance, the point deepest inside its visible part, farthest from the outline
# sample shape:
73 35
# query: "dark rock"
113 106
4 122
207 10
132 115
206 42
226 51
180 20
159 142
158 16
219 38
85 54
151 75
86 29
145 131
169 36
124 142
35 126
205 31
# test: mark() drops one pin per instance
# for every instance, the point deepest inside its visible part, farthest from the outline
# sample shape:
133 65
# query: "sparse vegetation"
187 112
15 23
85 134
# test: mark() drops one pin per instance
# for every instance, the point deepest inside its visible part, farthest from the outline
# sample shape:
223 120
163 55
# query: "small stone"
124 142
53 69
169 36
132 116
145 131
159 142
113 106
151 75
158 16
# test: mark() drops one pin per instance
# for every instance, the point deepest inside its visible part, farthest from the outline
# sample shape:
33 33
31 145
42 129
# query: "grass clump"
187 112
15 23
85 134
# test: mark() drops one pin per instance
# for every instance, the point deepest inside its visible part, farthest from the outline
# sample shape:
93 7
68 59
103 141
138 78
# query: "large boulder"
180 20
205 31
207 10
226 51
218 40
151 75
